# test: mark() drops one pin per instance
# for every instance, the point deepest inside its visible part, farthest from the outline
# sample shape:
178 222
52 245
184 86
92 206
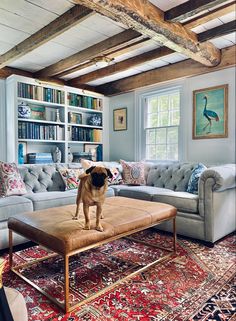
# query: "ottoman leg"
174 234
66 262
10 248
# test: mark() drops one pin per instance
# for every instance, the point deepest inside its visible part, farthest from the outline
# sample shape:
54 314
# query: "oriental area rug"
196 284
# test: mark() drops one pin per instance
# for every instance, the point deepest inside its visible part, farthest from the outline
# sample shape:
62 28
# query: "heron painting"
210 112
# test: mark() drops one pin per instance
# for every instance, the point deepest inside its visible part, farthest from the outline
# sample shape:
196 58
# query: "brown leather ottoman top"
55 229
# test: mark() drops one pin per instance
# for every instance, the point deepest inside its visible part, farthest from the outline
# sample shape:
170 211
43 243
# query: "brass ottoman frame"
66 307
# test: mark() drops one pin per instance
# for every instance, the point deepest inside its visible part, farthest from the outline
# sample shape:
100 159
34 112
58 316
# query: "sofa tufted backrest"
42 178
172 176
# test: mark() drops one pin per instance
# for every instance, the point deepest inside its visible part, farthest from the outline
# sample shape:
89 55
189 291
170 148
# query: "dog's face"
98 175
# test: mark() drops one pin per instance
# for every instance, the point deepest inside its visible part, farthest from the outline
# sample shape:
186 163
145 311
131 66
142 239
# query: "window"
161 125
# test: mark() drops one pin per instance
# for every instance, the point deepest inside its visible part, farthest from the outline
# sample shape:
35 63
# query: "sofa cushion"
70 177
110 192
133 172
138 192
194 178
115 170
183 201
53 199
14 205
10 180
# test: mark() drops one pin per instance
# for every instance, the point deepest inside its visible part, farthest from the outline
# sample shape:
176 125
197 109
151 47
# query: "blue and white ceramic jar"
24 110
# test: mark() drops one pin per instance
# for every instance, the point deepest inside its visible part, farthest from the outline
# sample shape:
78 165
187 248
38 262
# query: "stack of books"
39 158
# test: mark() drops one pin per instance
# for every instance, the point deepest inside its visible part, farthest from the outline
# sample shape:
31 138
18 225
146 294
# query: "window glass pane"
174 117
152 105
174 101
150 136
151 151
161 136
160 151
152 120
172 135
163 103
163 119
172 151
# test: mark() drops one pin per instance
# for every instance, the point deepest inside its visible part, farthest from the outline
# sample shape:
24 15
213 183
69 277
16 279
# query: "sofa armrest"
219 178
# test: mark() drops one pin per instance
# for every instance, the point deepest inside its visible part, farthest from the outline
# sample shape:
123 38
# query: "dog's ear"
109 173
89 170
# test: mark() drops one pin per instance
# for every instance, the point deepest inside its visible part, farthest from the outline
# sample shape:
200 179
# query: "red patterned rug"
196 284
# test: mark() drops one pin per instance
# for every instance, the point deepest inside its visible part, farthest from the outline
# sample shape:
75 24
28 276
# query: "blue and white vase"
24 110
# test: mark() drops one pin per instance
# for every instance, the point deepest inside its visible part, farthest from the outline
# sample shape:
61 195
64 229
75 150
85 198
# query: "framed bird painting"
210 112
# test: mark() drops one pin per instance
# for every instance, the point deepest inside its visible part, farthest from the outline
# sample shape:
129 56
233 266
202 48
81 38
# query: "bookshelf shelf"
40 102
85 126
41 140
58 116
41 121
84 109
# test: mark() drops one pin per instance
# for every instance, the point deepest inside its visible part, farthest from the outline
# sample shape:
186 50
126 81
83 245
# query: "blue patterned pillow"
194 178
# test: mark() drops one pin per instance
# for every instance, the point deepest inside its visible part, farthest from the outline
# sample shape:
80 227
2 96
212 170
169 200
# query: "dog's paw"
99 228
87 227
74 218
102 216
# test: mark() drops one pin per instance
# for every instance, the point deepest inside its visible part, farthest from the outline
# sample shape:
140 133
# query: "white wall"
2 121
122 142
209 151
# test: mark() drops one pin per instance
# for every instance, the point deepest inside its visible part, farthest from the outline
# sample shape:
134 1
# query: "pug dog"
91 191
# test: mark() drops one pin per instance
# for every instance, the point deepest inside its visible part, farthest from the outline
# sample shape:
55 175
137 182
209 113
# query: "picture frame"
210 112
93 149
120 119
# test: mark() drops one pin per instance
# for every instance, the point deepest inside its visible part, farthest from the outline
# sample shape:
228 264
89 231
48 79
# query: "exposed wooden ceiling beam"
8 71
208 16
129 46
190 8
53 29
184 69
149 55
121 66
147 19
218 31
100 48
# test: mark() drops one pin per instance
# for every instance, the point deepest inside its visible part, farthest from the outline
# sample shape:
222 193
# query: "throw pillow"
133 173
116 175
70 177
10 180
194 178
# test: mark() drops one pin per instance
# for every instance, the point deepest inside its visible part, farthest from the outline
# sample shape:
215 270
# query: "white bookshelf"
44 134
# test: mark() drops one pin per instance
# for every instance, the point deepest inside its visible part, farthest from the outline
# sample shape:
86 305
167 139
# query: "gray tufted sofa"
45 189
208 216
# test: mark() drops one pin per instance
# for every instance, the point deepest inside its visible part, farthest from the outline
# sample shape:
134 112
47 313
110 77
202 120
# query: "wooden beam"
53 29
129 46
217 31
8 71
147 19
147 56
121 66
190 8
184 69
89 53
213 14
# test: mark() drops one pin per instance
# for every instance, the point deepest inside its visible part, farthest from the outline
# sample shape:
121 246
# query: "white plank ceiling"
21 18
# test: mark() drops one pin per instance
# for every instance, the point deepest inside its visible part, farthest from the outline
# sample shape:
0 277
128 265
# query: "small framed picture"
120 119
210 112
